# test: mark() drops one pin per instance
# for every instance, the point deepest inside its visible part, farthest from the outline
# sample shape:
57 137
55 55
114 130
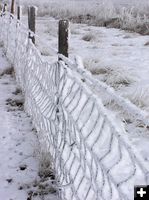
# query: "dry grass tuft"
1 44
45 168
16 104
97 71
146 44
139 94
7 71
88 37
118 77
17 91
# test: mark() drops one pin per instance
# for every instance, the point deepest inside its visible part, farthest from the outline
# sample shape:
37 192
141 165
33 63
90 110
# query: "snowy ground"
19 161
117 57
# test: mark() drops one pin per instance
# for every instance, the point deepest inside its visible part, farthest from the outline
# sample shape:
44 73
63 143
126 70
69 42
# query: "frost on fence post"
19 12
31 22
63 37
12 6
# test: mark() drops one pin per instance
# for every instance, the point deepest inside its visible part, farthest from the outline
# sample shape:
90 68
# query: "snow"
116 57
99 143
19 163
131 14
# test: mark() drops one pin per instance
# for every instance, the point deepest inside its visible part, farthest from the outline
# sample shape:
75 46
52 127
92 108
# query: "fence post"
63 37
31 21
5 7
12 6
19 12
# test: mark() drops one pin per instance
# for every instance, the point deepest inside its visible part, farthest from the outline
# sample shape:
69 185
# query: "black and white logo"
141 192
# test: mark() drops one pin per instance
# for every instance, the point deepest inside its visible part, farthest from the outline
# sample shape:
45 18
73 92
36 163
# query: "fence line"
90 151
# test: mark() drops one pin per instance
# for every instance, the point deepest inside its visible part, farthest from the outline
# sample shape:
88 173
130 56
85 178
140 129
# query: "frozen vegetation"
118 58
128 15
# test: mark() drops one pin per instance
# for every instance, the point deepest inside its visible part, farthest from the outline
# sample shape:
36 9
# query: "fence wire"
91 155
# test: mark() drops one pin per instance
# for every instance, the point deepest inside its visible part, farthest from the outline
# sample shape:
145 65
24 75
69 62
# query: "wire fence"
91 154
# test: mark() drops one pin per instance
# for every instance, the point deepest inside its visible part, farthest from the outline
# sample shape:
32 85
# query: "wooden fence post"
28 17
12 6
31 21
19 12
5 7
1 8
63 37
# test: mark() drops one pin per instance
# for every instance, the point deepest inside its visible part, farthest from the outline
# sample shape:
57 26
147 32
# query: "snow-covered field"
20 157
116 57
130 15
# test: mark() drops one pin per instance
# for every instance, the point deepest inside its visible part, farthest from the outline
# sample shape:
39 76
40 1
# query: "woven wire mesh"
91 155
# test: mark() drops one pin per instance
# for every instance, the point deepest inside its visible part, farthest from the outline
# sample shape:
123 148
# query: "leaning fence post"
19 12
63 37
12 6
31 22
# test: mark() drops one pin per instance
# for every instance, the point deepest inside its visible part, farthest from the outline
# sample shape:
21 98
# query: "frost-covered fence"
90 153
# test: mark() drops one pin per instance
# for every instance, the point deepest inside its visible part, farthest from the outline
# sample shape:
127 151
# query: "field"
128 15
116 57
108 46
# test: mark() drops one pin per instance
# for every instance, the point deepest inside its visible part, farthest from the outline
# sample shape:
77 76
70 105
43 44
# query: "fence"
91 155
